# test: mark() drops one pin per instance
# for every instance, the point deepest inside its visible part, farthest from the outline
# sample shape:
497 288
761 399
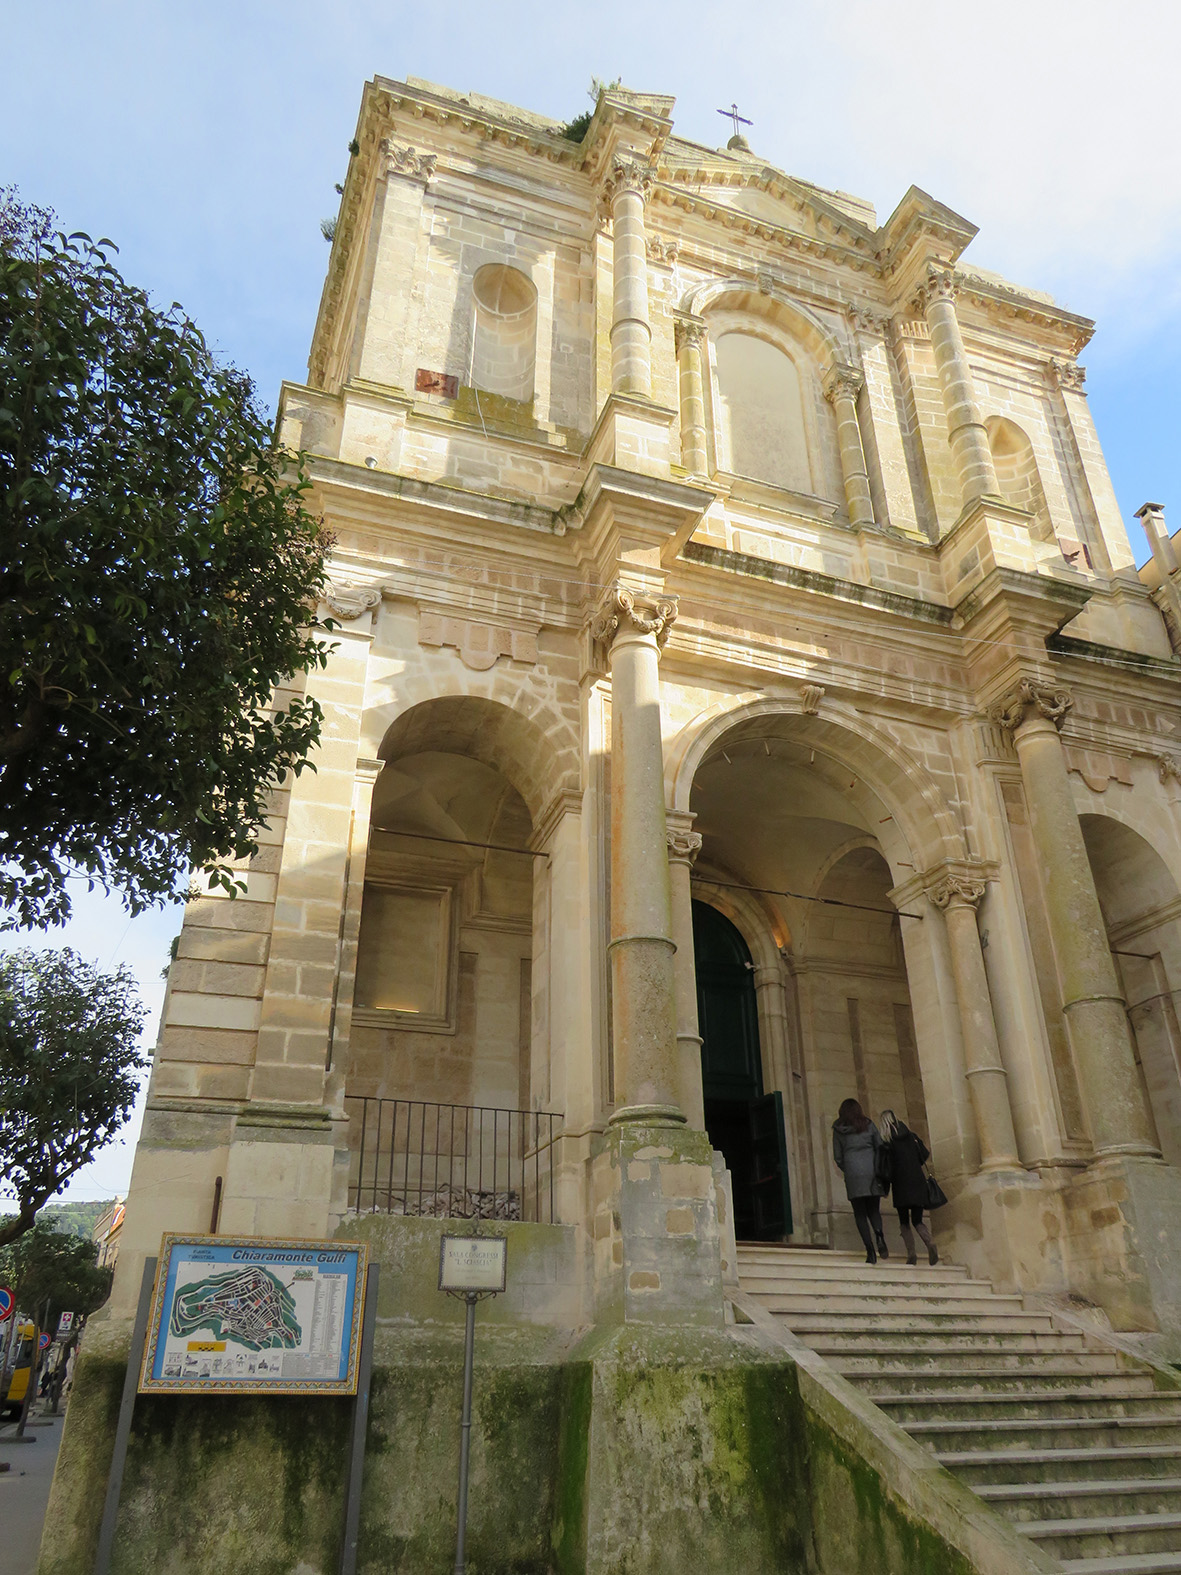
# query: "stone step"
952 1405
1010 1383
1022 1501
955 1339
1126 1564
903 1301
887 1271
927 1324
1063 1432
1106 1535
1013 1358
1061 1465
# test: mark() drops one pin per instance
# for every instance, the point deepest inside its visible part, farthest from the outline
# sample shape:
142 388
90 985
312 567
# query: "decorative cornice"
683 846
1014 707
842 382
408 162
622 610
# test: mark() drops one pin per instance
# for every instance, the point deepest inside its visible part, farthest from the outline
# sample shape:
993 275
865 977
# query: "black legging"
867 1214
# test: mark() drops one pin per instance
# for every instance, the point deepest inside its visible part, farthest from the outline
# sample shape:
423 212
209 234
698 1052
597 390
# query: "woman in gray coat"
856 1144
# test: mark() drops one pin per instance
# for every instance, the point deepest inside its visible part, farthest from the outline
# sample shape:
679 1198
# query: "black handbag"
936 1197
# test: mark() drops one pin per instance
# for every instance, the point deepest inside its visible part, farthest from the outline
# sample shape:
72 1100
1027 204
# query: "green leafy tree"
70 1067
50 1272
158 580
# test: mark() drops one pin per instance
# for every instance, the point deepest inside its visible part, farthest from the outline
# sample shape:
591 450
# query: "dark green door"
743 1123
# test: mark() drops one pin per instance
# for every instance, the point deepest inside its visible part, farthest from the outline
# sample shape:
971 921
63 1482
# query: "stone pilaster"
690 333
841 388
1092 1002
965 429
956 894
683 847
631 333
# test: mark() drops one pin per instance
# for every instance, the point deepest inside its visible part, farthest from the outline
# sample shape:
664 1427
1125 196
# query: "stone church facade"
743 697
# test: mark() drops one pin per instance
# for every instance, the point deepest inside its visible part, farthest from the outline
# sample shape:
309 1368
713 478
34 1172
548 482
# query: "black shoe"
912 1259
883 1250
932 1254
871 1256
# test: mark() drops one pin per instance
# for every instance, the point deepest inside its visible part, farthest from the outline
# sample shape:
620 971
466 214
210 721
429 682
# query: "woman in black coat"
907 1156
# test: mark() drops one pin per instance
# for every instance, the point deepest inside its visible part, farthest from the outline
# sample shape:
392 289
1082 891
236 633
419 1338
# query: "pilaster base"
1124 1220
1008 1227
657 1245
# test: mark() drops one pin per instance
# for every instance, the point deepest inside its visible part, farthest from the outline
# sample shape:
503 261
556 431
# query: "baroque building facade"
738 641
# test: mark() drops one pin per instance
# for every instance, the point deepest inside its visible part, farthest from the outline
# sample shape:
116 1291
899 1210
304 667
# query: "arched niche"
1017 473
1142 911
761 428
504 351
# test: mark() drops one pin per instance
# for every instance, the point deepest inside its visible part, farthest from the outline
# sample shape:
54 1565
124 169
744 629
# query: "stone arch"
776 307
528 741
921 829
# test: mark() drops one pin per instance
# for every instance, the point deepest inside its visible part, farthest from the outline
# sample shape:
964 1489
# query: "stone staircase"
1067 1438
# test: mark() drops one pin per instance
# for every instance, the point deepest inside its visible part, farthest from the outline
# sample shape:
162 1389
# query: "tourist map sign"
232 1315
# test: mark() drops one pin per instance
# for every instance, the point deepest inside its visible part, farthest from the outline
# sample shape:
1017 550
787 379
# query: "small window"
504 355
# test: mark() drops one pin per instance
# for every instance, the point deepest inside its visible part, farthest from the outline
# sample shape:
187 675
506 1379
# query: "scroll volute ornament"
619 611
964 890
683 845
941 284
1027 696
688 332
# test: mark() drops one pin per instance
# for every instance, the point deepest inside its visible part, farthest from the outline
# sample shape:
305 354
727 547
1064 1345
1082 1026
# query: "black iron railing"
412 1156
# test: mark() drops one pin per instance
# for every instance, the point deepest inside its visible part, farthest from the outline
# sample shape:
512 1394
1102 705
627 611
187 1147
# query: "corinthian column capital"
842 382
408 162
688 331
941 284
630 175
623 610
1028 698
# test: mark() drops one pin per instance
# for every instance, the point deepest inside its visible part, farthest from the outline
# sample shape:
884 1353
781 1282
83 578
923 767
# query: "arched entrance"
801 854
1142 910
744 1124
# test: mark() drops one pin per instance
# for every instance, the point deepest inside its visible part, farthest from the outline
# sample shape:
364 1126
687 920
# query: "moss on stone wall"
858 1524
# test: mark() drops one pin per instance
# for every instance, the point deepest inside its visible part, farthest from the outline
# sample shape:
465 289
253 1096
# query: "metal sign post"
470 1267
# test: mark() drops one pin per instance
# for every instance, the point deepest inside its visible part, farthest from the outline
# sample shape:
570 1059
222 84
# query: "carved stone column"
683 847
643 1001
1092 1002
957 896
965 430
631 333
690 348
841 387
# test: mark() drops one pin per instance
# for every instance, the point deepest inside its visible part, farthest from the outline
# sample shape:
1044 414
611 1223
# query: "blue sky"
205 140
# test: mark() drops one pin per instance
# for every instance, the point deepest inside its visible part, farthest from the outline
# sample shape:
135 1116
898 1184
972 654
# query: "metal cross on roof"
733 114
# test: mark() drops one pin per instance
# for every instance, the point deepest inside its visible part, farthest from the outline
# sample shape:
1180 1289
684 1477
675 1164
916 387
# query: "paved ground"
24 1493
